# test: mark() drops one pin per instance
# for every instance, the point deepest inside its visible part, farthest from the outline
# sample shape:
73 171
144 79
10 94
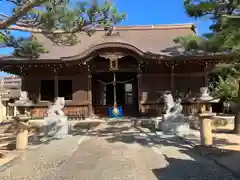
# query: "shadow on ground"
194 169
36 137
180 169
122 132
130 134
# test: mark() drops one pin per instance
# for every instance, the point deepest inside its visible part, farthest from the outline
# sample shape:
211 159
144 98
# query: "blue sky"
158 12
139 12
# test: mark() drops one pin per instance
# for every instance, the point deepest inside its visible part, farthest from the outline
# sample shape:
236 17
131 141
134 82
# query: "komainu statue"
23 95
173 119
57 108
56 124
168 102
173 110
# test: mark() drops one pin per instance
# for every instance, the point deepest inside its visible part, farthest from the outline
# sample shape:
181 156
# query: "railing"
147 109
151 108
157 109
73 112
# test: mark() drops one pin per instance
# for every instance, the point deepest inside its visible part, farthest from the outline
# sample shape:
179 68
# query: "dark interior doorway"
109 94
120 94
126 92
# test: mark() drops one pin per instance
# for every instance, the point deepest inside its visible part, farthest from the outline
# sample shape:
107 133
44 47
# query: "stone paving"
114 152
120 152
226 149
43 162
110 161
184 161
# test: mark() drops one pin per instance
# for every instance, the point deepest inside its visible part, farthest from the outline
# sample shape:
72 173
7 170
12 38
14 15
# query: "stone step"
7 127
6 137
8 130
8 142
7 160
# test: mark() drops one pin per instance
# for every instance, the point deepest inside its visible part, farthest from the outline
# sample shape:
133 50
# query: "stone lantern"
205 116
22 119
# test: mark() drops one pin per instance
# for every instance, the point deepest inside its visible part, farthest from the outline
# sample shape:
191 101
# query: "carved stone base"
22 138
22 132
56 127
173 117
206 128
178 128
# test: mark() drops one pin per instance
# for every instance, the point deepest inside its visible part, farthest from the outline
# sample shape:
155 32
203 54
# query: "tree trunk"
237 123
237 116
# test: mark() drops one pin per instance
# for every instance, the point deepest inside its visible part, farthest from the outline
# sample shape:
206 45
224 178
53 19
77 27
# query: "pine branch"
58 20
15 2
20 13
45 31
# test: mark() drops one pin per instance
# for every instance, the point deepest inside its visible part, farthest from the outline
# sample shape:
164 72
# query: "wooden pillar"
172 79
90 112
56 87
114 91
206 79
205 70
1 108
139 81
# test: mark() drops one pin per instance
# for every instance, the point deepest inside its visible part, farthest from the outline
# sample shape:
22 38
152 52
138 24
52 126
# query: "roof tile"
155 39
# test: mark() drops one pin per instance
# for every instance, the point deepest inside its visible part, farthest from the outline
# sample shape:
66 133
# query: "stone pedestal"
55 124
158 121
177 128
56 127
175 125
22 133
206 128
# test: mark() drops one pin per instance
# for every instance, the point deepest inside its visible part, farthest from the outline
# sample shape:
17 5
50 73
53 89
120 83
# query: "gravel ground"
115 153
43 162
97 159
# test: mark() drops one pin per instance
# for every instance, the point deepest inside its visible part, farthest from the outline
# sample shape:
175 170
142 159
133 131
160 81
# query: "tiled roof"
148 39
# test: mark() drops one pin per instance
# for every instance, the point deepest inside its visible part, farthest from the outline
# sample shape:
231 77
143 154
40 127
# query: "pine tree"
56 19
224 38
225 35
226 89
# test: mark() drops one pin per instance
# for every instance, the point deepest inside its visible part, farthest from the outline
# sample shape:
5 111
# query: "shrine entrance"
124 94
109 94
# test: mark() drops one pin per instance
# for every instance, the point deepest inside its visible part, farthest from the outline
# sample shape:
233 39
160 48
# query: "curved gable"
118 46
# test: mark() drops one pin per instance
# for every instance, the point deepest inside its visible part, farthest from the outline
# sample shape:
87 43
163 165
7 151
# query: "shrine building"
131 67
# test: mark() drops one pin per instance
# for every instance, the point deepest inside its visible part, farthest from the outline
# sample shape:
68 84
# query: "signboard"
128 87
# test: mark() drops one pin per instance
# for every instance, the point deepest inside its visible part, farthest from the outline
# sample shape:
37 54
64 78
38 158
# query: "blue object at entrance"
117 114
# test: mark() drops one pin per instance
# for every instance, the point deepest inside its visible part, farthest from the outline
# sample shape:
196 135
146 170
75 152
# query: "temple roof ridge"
155 26
191 26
